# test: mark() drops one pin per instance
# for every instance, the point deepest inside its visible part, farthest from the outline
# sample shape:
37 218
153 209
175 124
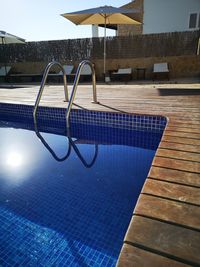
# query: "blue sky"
38 20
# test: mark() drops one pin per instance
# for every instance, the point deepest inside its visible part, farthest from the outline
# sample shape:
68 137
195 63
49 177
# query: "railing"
76 81
46 72
74 89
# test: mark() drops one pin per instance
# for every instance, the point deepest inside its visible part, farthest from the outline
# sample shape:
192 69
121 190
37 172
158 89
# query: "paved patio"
165 226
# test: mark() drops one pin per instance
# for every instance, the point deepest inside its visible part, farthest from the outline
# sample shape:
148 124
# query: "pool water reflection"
56 210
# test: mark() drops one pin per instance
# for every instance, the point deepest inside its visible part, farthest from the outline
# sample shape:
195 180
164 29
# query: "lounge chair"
57 77
86 73
160 69
25 77
122 74
68 69
4 71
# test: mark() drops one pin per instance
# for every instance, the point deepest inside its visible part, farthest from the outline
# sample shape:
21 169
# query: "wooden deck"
165 226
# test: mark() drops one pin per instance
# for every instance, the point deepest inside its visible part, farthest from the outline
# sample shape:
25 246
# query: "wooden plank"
181 140
182 134
183 125
167 210
192 120
172 191
169 153
176 120
177 164
175 176
132 256
181 128
166 239
181 147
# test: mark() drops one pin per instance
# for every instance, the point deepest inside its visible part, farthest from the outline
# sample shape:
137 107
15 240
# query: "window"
193 20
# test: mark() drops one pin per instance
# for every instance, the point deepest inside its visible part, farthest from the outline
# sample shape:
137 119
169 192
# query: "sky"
40 20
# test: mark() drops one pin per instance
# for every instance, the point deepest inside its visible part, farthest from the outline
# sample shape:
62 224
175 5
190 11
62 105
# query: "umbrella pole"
104 54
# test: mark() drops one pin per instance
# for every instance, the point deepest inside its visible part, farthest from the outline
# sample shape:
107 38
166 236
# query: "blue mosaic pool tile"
35 234
43 247
117 120
42 244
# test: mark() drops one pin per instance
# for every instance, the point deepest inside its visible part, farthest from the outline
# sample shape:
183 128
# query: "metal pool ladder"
75 85
76 81
44 79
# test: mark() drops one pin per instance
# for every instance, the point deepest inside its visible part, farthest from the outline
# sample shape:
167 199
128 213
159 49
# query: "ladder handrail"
75 85
44 78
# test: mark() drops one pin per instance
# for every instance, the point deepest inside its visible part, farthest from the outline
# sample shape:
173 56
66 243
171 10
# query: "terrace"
164 230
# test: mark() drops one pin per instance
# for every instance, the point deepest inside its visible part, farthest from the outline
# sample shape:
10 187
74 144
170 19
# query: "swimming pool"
67 201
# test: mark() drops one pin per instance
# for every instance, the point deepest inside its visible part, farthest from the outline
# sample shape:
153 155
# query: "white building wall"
95 31
169 15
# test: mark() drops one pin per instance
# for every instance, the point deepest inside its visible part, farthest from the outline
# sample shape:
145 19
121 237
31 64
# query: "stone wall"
130 30
179 66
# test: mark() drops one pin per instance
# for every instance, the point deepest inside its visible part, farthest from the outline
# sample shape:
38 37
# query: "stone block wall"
179 66
130 30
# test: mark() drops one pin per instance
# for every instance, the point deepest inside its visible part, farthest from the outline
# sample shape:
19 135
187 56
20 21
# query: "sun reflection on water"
14 166
14 159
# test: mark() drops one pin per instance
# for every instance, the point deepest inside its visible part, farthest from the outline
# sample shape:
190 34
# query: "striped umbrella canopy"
102 15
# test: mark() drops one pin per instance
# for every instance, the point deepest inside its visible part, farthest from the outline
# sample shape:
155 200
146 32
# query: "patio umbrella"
102 15
7 38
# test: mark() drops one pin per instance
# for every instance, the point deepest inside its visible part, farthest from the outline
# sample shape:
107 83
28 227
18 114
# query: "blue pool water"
68 201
